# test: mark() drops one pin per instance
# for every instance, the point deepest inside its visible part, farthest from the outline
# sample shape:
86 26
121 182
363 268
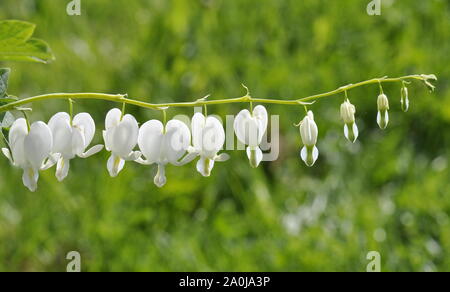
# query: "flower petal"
85 123
133 156
197 125
38 144
160 177
125 136
351 132
177 140
309 155
213 137
383 119
78 143
222 157
205 165
30 178
150 140
241 126
62 169
17 134
309 130
61 130
115 165
255 156
52 160
142 161
92 151
261 116
113 118
186 159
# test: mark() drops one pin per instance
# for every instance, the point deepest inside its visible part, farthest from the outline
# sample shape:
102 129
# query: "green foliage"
388 192
17 44
4 76
7 121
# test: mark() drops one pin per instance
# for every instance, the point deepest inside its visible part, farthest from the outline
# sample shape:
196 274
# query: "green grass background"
389 192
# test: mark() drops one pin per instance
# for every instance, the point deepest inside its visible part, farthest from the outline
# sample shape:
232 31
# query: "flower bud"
348 111
383 115
308 133
404 99
308 130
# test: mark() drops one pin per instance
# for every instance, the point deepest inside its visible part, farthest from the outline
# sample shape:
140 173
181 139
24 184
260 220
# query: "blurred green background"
389 192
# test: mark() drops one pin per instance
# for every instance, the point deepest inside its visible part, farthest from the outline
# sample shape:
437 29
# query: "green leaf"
8 120
4 76
16 32
7 100
16 43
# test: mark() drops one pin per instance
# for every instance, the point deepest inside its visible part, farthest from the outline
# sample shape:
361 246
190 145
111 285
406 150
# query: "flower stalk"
123 98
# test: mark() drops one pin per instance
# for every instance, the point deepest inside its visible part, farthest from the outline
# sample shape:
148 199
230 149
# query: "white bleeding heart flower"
383 107
308 133
70 139
250 129
120 138
163 145
208 137
348 111
30 150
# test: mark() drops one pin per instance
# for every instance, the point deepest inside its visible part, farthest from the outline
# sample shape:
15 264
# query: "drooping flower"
70 139
162 145
250 129
308 133
30 150
404 100
383 107
120 137
208 137
348 111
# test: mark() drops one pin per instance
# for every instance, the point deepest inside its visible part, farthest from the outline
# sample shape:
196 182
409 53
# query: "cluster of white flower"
40 146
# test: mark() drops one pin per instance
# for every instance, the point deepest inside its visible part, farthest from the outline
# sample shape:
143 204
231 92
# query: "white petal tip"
222 157
383 119
351 133
30 179
205 166
309 155
160 177
255 156
115 165
94 150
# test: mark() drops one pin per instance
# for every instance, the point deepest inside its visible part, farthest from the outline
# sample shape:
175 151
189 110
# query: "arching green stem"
122 98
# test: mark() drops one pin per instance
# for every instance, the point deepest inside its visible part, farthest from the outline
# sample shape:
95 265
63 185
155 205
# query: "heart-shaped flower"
308 133
208 137
120 137
163 145
348 111
70 139
250 129
30 150
383 108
